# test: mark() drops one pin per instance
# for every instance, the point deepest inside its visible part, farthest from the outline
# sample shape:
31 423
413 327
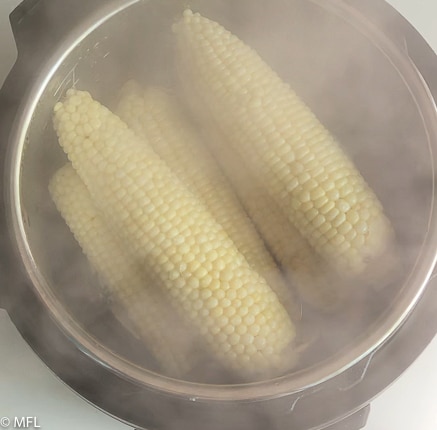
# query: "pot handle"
38 25
8 50
25 9
28 11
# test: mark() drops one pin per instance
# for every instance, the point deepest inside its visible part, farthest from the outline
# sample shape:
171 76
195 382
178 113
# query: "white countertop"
29 388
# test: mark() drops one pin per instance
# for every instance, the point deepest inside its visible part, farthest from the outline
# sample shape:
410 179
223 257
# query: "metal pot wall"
385 63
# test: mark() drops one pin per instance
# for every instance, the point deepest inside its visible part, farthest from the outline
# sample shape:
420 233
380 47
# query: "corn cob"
174 236
317 284
155 115
303 167
130 288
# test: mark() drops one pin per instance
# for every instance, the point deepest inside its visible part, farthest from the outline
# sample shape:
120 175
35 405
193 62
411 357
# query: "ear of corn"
155 115
302 166
167 228
316 282
131 289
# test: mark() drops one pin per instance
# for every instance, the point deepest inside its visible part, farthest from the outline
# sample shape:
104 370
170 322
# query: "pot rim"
278 387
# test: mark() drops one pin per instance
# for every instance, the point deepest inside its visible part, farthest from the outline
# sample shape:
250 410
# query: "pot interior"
359 84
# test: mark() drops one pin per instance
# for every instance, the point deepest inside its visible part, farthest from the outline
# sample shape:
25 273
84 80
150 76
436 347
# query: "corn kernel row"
175 237
129 286
303 167
156 116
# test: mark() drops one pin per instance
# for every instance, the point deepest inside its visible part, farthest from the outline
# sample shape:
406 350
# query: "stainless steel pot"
377 95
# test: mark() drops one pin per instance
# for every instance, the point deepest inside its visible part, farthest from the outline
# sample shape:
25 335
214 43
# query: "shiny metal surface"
8 51
81 59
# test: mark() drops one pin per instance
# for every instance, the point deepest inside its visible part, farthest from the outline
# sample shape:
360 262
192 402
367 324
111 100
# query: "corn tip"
188 13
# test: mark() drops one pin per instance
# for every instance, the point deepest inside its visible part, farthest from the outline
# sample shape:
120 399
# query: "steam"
347 81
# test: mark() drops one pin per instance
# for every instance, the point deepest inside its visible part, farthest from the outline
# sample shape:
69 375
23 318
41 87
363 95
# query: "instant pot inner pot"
337 62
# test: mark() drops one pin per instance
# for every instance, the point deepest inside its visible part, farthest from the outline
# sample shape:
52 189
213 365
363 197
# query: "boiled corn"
155 115
317 284
174 236
128 284
303 167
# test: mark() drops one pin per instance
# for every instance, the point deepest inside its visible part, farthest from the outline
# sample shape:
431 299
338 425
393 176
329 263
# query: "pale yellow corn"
176 237
303 167
130 288
316 283
155 115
